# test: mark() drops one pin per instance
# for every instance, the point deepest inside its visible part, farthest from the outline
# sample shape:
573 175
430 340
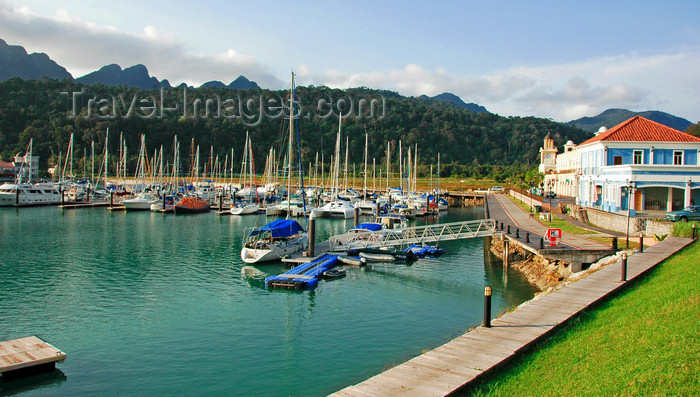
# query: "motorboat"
243 208
192 205
142 202
295 208
336 208
25 194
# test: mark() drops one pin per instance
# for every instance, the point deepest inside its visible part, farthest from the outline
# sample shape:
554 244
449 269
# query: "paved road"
505 211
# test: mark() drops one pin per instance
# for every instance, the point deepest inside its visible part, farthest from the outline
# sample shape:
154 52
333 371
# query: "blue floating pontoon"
303 276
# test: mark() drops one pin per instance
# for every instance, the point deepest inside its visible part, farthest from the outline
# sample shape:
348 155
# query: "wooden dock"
91 204
27 352
457 363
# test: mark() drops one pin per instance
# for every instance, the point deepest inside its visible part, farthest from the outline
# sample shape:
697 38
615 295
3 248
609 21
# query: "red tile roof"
639 129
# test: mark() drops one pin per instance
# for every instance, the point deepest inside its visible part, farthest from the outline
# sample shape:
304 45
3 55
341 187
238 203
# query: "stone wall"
540 271
618 222
456 201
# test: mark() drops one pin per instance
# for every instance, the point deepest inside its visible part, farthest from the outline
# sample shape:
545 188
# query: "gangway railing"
358 239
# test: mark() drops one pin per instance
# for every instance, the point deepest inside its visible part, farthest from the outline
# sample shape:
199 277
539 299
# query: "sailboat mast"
364 193
106 155
345 170
415 169
400 168
92 162
289 155
388 164
336 164
31 146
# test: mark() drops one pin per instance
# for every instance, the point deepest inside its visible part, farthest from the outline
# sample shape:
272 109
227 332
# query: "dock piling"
487 307
506 253
312 235
357 216
111 198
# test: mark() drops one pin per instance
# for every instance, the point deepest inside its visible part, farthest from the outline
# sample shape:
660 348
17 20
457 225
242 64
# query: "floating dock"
84 205
305 275
29 352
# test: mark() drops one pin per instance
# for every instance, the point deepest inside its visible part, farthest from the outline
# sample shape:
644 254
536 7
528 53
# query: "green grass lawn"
644 341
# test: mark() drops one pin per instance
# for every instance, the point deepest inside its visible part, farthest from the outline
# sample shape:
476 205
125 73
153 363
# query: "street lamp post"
550 186
629 211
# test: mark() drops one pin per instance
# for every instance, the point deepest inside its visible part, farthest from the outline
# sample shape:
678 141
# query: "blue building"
639 165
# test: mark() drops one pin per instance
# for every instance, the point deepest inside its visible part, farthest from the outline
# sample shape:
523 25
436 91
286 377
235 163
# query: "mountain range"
457 101
613 117
15 62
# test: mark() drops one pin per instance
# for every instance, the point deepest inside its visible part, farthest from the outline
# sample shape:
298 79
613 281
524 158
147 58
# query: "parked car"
496 189
550 194
689 213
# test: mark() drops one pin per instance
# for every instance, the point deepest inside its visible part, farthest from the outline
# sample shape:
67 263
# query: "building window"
638 157
617 160
677 157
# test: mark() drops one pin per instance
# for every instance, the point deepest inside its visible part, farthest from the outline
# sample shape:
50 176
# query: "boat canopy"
280 228
372 227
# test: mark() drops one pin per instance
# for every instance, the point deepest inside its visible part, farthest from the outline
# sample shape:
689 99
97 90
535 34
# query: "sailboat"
281 237
336 206
247 206
144 199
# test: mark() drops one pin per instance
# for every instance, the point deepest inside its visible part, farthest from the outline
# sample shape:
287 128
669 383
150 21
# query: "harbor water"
151 304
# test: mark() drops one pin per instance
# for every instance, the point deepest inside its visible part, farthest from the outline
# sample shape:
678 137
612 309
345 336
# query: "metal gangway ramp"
413 235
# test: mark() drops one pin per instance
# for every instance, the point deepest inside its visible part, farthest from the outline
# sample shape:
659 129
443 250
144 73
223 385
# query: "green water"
153 304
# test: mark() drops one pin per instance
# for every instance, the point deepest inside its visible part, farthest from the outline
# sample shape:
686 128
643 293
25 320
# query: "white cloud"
83 47
564 92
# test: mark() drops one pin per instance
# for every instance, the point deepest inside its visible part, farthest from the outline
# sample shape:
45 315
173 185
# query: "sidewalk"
505 210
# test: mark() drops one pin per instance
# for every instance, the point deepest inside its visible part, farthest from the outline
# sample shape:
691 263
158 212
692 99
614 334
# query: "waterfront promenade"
504 210
455 364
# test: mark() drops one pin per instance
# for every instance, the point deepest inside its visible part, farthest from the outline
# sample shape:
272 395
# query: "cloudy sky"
554 59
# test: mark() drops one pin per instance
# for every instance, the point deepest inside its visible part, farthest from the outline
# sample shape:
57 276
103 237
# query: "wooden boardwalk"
460 361
27 352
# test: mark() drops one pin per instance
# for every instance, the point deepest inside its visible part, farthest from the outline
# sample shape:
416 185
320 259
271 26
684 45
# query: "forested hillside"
470 144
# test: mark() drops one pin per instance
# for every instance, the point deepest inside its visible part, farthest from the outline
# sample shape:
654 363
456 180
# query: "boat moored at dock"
192 205
274 241
25 194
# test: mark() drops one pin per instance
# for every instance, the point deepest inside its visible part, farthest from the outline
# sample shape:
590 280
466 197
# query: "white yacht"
142 202
244 208
295 208
25 194
336 208
274 241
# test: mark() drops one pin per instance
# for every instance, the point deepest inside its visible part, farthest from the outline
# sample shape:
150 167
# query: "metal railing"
414 235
